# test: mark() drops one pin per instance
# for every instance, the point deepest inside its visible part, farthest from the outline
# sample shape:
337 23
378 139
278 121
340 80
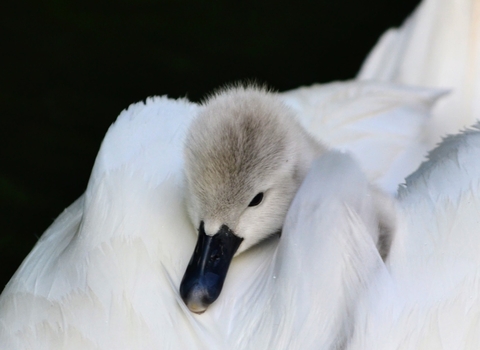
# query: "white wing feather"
438 47
430 296
381 124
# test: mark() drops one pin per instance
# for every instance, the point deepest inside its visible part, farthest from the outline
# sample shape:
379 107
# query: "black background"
69 68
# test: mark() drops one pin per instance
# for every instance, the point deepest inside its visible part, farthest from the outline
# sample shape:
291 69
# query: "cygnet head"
245 157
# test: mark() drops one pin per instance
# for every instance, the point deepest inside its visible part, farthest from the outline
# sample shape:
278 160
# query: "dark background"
70 67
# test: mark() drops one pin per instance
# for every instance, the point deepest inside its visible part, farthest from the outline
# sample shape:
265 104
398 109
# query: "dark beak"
203 280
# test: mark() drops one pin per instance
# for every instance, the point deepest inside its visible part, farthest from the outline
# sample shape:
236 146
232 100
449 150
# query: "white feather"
381 124
428 296
436 47
105 275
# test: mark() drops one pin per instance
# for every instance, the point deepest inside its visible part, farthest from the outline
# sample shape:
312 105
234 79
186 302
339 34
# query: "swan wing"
430 297
437 46
105 275
381 124
303 295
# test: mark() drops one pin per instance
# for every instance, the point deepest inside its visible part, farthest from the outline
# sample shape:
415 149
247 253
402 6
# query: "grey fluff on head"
245 141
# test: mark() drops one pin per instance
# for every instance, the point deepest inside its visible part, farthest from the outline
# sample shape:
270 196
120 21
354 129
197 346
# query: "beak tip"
197 308
197 296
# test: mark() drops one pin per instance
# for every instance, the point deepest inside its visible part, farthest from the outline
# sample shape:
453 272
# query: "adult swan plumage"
106 273
427 296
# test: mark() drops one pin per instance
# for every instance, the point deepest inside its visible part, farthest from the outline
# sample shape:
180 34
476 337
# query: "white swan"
106 273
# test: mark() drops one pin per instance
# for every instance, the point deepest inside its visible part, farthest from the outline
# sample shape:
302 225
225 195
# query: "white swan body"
106 273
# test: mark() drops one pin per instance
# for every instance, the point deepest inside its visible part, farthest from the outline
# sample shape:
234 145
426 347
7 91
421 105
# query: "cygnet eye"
256 200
